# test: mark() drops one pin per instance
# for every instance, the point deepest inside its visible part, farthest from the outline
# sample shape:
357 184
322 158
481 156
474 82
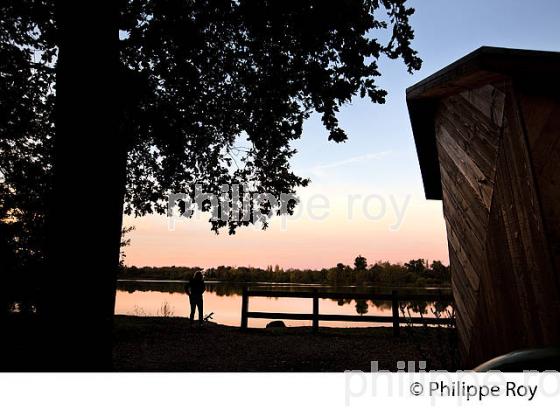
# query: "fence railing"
394 296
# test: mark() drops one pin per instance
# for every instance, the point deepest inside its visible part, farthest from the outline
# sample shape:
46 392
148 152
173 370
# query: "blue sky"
379 158
445 30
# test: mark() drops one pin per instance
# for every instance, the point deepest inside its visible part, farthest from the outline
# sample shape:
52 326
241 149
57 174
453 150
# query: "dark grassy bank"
170 344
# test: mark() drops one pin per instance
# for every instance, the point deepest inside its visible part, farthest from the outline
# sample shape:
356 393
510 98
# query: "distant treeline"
414 273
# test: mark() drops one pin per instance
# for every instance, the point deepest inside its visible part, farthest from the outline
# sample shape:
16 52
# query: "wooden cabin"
487 134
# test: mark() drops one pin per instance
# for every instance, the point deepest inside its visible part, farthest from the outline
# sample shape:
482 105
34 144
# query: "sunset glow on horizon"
320 237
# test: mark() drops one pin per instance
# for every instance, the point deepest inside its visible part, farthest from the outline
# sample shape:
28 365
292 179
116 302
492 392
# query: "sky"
366 196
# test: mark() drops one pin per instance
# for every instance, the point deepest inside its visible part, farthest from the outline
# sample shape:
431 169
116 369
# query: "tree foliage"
218 90
27 54
213 92
360 263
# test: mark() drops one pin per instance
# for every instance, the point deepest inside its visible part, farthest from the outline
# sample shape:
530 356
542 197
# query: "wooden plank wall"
468 132
541 116
504 283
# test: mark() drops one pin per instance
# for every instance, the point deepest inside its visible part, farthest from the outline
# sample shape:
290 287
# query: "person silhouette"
195 288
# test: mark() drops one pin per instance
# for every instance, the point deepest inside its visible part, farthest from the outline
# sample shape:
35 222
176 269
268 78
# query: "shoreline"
445 287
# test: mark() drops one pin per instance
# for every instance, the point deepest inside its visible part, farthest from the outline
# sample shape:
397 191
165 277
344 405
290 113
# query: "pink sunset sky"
330 228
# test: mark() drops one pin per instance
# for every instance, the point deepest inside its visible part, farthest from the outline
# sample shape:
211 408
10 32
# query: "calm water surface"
167 298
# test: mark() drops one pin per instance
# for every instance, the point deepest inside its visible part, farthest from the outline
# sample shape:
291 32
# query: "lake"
167 298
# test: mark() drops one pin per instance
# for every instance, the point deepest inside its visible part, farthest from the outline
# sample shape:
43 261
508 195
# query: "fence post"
395 309
244 307
315 311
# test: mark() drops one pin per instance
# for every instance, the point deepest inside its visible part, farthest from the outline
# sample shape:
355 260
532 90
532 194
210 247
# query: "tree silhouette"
361 307
26 144
360 263
151 97
416 265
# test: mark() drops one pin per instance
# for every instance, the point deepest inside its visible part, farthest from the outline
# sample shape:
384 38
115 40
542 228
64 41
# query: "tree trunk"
85 210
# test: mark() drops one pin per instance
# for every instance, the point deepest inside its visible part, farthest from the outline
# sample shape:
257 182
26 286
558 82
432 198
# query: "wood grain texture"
489 100
500 197
468 139
541 116
474 132
518 258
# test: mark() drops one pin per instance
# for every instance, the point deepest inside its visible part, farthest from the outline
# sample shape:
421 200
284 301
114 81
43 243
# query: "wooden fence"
394 296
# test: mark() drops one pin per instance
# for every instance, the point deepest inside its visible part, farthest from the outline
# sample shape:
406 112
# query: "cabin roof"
482 66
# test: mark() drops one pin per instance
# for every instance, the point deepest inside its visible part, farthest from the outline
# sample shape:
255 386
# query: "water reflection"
167 298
